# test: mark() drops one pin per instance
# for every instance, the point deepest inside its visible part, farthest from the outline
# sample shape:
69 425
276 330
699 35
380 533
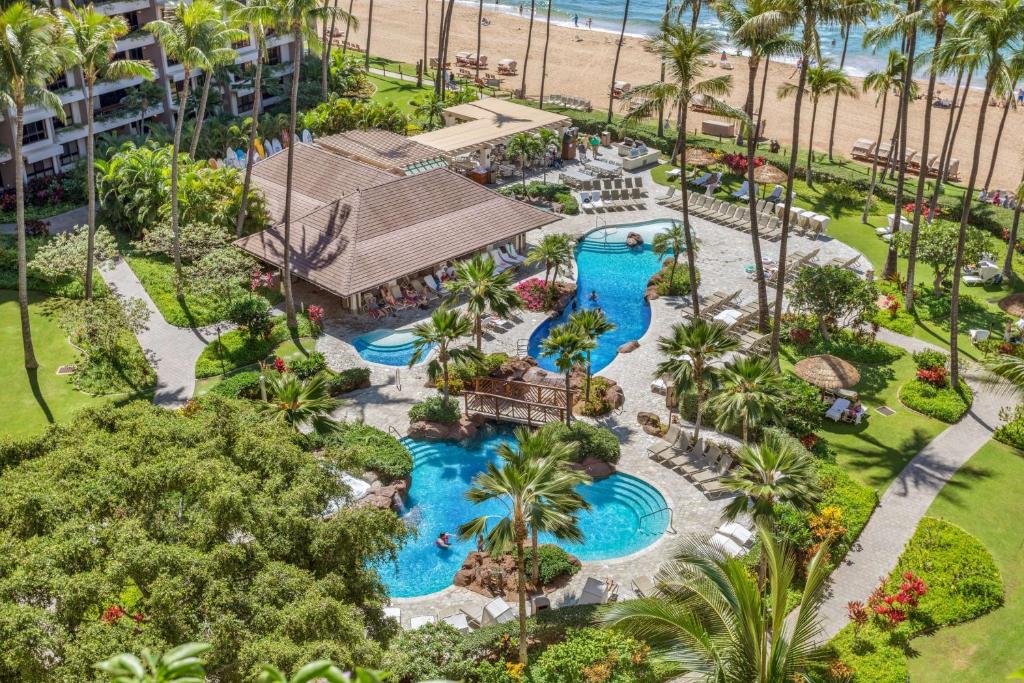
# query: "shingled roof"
383 149
382 233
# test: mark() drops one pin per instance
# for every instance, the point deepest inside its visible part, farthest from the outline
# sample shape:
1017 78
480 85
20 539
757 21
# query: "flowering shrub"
261 279
44 191
926 211
857 613
893 608
535 294
112 614
315 314
280 365
801 336
737 163
892 304
936 376
809 441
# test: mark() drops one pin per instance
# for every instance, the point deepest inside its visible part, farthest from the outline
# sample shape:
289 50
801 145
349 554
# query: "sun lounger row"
866 150
577 103
627 183
795 262
734 216
605 200
703 465
804 221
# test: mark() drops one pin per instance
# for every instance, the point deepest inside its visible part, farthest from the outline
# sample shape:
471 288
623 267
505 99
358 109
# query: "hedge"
240 385
358 445
434 409
1011 432
555 562
348 380
591 654
942 403
592 442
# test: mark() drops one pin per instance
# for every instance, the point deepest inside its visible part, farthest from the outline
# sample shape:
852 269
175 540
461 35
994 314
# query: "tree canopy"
135 527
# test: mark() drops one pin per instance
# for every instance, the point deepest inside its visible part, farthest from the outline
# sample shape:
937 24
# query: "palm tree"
445 327
426 32
592 324
181 663
689 352
569 349
479 35
529 42
850 13
548 138
661 109
615 64
1012 244
260 16
523 146
444 31
882 82
300 17
671 240
711 618
485 289
369 31
782 45
683 52
230 33
33 52
1005 90
750 393
987 30
530 488
94 36
560 489
192 34
544 59
430 107
300 402
822 79
554 251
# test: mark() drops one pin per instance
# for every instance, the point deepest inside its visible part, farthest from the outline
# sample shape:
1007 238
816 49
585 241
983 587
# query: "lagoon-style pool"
387 347
627 514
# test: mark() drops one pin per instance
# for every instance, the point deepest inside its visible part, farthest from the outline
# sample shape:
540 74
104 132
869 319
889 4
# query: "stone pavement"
60 223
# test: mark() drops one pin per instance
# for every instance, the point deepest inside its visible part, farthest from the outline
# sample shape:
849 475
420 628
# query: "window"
132 19
58 83
69 153
34 132
40 169
241 43
274 55
245 102
112 99
135 53
69 119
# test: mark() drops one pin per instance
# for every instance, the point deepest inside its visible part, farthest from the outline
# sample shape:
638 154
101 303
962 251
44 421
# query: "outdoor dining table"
574 177
605 167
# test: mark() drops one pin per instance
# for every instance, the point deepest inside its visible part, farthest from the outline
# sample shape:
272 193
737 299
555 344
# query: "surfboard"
285 138
307 137
258 144
213 163
275 144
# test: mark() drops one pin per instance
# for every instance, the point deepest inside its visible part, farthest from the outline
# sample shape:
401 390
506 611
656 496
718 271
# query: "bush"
940 402
680 283
236 349
252 314
426 653
307 367
547 627
555 562
591 654
360 445
598 404
591 442
928 359
348 380
435 409
856 348
803 414
1011 432
239 385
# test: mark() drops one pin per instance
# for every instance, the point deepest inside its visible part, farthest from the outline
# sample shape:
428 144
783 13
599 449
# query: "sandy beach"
580 63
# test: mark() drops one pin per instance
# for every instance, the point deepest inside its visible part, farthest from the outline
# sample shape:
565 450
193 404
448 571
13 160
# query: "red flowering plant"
737 163
926 211
892 304
809 441
892 608
534 293
315 314
112 614
260 279
935 376
801 336
280 365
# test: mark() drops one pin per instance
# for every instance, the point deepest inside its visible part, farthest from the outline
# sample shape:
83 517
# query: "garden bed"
941 403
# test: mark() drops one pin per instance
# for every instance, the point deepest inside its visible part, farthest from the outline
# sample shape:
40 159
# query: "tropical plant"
750 393
544 55
780 470
524 147
883 82
592 323
230 33
712 619
181 664
300 402
554 251
94 36
445 327
684 53
850 13
671 240
689 351
837 297
529 44
938 247
33 52
485 289
429 108
569 348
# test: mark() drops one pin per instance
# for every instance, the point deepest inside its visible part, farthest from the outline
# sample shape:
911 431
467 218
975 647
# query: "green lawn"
289 351
985 498
399 93
33 400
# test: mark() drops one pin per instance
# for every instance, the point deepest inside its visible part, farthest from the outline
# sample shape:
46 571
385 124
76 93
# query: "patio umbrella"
695 156
827 372
768 174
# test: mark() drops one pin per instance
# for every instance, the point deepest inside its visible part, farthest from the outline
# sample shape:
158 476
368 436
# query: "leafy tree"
194 240
67 253
750 393
554 251
444 328
592 324
131 187
300 402
835 296
937 247
569 347
485 290
223 55
219 273
524 147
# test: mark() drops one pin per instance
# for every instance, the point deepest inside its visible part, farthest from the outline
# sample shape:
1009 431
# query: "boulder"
428 431
464 428
614 396
491 577
515 368
597 469
629 346
652 293
390 497
634 239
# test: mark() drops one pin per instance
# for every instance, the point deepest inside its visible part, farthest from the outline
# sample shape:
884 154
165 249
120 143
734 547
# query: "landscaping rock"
515 368
491 577
614 396
465 428
390 497
629 346
652 293
634 239
643 418
597 469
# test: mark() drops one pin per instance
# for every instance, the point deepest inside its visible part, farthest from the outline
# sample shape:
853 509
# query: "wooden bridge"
511 401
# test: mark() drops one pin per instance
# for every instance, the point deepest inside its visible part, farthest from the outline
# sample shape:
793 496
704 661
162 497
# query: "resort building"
129 104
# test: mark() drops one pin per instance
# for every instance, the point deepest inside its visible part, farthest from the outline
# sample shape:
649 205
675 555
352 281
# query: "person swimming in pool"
444 541
593 295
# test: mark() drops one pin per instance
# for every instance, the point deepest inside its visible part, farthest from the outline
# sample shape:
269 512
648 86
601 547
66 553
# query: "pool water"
387 347
619 274
443 471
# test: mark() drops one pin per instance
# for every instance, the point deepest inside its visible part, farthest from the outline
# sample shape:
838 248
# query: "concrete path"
63 222
171 350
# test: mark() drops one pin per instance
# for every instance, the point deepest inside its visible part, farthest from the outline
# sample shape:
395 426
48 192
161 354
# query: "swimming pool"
387 347
627 514
619 275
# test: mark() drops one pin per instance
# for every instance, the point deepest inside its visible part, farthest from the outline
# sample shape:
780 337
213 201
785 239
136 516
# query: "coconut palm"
428 107
683 51
822 79
750 394
300 402
850 13
554 251
671 240
528 488
1012 244
444 31
569 348
182 663
592 324
524 147
485 290
781 45
300 17
544 58
529 42
615 64
445 327
561 487
882 82
33 52
369 31
989 29
192 34
713 620
94 36
1004 90
231 33
426 33
689 351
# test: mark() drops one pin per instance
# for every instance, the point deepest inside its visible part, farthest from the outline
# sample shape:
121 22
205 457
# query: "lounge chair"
644 586
743 192
987 273
431 283
497 611
597 592
737 532
508 257
978 336
514 252
418 622
844 264
714 489
587 201
667 196
776 195
426 292
499 265
716 470
597 199
727 545
665 444
716 302
694 454
695 460
701 181
862 149
462 621
836 410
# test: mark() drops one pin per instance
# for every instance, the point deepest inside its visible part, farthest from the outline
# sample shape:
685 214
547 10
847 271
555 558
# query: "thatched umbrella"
827 372
696 156
767 173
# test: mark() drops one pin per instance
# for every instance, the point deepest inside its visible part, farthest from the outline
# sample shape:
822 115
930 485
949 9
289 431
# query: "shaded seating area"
835 377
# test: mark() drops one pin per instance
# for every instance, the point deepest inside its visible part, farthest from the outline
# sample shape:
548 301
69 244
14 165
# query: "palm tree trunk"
698 403
521 587
544 60
835 101
764 89
329 42
478 330
661 105
999 138
944 173
439 81
874 160
257 102
444 373
369 31
954 312
568 398
348 27
426 56
1008 261
323 54
808 32
529 41
945 143
479 32
90 187
809 177
922 176
615 65
589 370
691 258
200 114
535 560
174 182
889 166
901 160
19 208
755 235
286 275
695 16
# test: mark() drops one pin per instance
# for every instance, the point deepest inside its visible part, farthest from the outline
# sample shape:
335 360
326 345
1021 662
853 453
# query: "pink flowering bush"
534 293
315 314
260 279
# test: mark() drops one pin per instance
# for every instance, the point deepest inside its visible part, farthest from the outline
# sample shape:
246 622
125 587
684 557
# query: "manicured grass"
289 351
234 350
984 498
32 401
399 93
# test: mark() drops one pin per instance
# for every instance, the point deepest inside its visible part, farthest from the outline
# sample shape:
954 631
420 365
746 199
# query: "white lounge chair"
727 545
978 336
835 412
498 611
433 285
462 621
509 258
737 532
418 622
597 592
499 265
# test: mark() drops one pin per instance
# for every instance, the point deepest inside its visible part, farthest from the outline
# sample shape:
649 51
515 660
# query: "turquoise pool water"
443 471
619 275
386 346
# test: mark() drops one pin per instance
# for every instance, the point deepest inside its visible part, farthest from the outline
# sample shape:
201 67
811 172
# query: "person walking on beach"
520 9
590 23
576 20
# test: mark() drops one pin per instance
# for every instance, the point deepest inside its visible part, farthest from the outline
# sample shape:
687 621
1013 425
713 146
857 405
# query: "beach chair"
701 181
597 198
776 195
836 410
419 622
425 292
598 592
635 197
847 264
617 184
953 170
737 532
509 258
462 621
498 611
586 202
751 342
514 252
694 460
718 469
862 149
500 265
643 586
727 545
882 152
667 196
669 445
743 192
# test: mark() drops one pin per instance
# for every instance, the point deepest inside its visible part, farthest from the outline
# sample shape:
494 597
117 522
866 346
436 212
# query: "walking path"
63 222
910 495
173 351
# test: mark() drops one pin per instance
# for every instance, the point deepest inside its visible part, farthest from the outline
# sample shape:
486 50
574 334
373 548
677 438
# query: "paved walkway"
171 350
60 223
